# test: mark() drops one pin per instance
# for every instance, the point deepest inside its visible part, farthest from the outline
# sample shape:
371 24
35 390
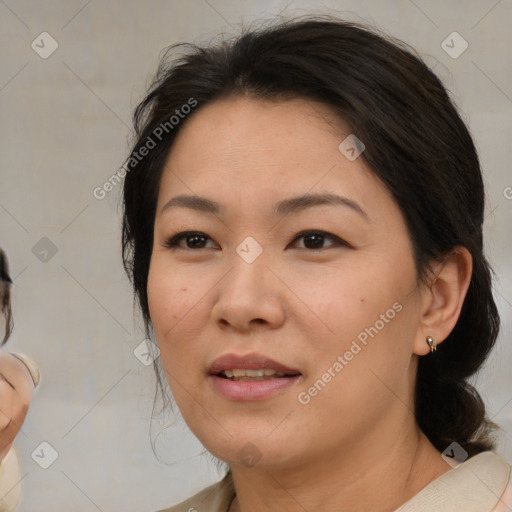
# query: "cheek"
177 315
346 301
171 296
365 315
162 300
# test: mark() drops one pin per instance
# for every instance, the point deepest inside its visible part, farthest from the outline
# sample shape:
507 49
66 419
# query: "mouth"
250 367
251 377
244 375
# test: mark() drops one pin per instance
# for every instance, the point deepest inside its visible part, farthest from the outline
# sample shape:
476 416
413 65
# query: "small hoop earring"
431 344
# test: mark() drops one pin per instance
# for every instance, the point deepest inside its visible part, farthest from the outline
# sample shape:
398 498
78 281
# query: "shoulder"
478 484
215 498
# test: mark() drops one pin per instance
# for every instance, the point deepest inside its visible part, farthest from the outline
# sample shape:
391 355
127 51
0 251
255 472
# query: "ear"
442 298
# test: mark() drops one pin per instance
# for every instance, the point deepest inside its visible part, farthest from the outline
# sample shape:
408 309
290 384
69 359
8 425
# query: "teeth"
259 374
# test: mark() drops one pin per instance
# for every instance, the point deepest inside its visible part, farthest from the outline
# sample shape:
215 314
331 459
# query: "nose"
250 295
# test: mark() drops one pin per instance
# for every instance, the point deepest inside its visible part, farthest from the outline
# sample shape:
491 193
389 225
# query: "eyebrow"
282 208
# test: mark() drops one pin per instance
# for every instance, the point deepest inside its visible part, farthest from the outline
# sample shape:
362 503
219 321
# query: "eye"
193 240
316 239
313 240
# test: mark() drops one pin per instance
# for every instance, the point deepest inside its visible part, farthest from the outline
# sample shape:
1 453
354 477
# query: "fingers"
16 390
8 428
30 365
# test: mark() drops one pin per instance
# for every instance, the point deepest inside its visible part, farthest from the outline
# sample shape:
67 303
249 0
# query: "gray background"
64 131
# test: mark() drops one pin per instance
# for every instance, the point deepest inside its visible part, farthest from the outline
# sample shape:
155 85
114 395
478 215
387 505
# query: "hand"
16 390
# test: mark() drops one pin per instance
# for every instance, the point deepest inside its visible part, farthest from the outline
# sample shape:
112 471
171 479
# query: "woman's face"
337 308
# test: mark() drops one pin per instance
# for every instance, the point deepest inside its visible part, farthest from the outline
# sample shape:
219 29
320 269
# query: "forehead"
237 123
249 150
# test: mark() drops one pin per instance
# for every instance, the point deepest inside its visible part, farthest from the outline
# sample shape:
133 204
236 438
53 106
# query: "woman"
19 377
303 212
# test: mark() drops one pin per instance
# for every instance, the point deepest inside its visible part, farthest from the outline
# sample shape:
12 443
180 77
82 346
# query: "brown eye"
316 239
192 240
312 240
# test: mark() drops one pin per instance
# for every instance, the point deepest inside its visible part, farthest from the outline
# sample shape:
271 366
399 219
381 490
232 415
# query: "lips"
232 362
251 377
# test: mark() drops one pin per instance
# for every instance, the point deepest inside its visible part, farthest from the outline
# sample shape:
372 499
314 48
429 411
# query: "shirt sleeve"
505 503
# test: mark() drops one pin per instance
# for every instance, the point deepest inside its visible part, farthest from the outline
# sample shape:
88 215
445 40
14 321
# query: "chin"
246 450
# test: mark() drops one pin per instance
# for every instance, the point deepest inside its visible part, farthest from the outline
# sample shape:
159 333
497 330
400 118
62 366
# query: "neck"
381 477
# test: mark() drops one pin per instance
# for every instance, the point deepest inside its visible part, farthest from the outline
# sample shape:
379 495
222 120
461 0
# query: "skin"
16 390
300 306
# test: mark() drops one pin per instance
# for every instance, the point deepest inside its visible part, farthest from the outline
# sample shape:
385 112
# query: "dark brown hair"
5 296
416 143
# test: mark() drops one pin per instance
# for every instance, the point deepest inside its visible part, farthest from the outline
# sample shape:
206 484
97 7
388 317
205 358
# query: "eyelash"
172 242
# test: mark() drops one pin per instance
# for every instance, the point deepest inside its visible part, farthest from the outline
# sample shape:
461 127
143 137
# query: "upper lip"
248 362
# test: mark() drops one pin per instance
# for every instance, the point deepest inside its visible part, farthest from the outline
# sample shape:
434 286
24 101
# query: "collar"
476 485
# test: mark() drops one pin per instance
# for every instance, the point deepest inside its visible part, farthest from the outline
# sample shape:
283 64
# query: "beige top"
481 484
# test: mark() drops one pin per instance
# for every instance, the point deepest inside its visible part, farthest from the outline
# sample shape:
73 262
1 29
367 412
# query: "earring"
431 344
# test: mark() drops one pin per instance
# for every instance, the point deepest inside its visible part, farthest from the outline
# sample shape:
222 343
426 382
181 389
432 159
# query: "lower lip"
251 390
